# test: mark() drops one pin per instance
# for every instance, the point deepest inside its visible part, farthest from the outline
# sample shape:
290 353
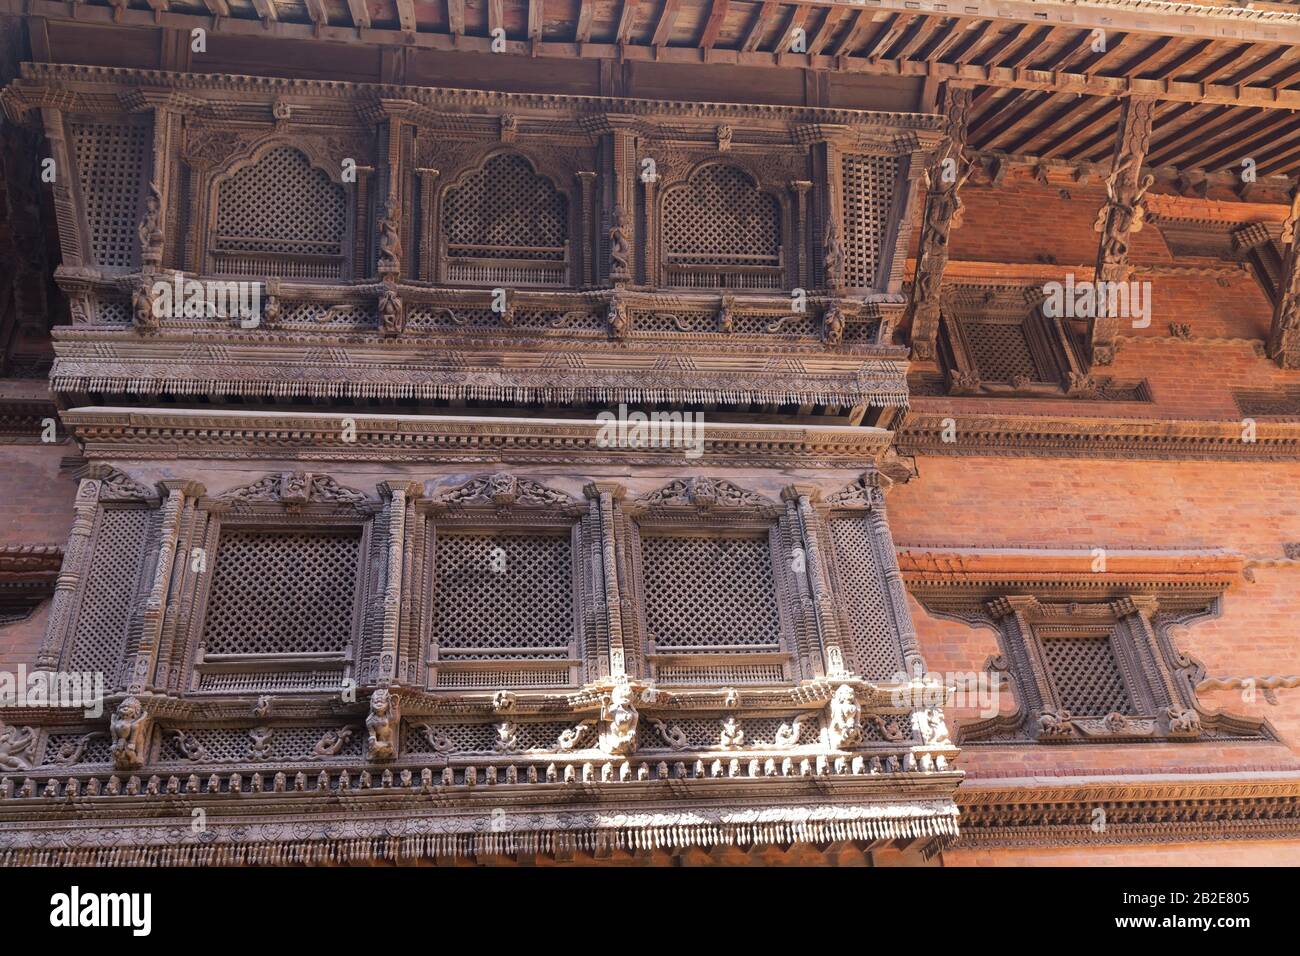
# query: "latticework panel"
532 677
1086 675
104 617
503 596
112 159
504 210
488 738
282 592
77 749
707 594
721 217
251 744
281 206
261 681
705 733
873 644
720 674
868 184
1000 351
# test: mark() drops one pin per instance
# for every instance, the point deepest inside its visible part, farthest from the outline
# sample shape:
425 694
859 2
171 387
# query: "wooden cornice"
1104 438
1041 571
320 436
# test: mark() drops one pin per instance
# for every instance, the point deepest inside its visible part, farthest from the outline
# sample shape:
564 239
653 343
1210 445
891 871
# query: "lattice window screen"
868 184
276 592
1000 351
103 624
112 162
281 205
721 217
874 644
709 594
506 211
1086 675
503 596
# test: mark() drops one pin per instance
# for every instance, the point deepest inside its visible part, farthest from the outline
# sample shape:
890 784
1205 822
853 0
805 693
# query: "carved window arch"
279 215
504 223
291 563
720 229
712 584
511 585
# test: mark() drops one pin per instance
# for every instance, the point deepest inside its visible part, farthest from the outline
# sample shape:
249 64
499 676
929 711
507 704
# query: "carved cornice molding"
943 571
1106 438
312 436
257 93
1163 810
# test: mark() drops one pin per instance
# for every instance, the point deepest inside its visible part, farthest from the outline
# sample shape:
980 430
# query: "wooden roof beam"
582 29
916 34
664 28
763 21
316 10
266 10
1194 54
942 42
496 16
1285 161
218 8
1244 143
359 12
1028 104
406 15
883 39
1203 128
822 35
969 46
626 20
1066 144
713 26
798 17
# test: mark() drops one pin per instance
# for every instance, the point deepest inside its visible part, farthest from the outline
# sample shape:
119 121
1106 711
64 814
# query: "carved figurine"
1183 721
142 307
726 320
1058 724
833 326
390 239
732 736
14 743
617 318
621 719
845 727
381 727
150 231
392 313
620 250
507 737
833 255
129 728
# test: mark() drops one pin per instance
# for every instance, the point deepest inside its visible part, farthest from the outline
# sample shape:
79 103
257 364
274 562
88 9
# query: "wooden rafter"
667 18
316 10
1182 61
496 15
218 8
713 26
626 19
455 17
582 29
822 35
406 15
797 21
970 45
266 10
359 12
763 20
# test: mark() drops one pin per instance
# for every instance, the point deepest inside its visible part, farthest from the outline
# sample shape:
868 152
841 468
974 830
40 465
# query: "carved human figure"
833 326
620 249
732 735
381 727
150 231
845 726
142 311
392 313
833 255
390 239
617 318
621 719
129 728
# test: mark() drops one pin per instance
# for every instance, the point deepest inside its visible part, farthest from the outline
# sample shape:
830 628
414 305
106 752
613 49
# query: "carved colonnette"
1088 648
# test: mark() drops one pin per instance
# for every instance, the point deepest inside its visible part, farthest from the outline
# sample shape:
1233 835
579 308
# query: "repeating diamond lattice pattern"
1086 675
498 594
506 211
873 644
281 204
104 616
1000 350
280 593
721 218
708 593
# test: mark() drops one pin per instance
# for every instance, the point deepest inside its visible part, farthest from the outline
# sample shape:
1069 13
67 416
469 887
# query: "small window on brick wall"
283 592
1085 673
503 596
709 594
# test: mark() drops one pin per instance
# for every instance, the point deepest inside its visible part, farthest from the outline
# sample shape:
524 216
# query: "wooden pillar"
800 188
587 245
429 224
1284 336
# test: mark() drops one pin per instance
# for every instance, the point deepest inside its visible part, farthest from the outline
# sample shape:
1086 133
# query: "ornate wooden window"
1000 341
279 214
505 224
721 230
281 606
112 164
713 585
868 189
871 633
510 585
1083 669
